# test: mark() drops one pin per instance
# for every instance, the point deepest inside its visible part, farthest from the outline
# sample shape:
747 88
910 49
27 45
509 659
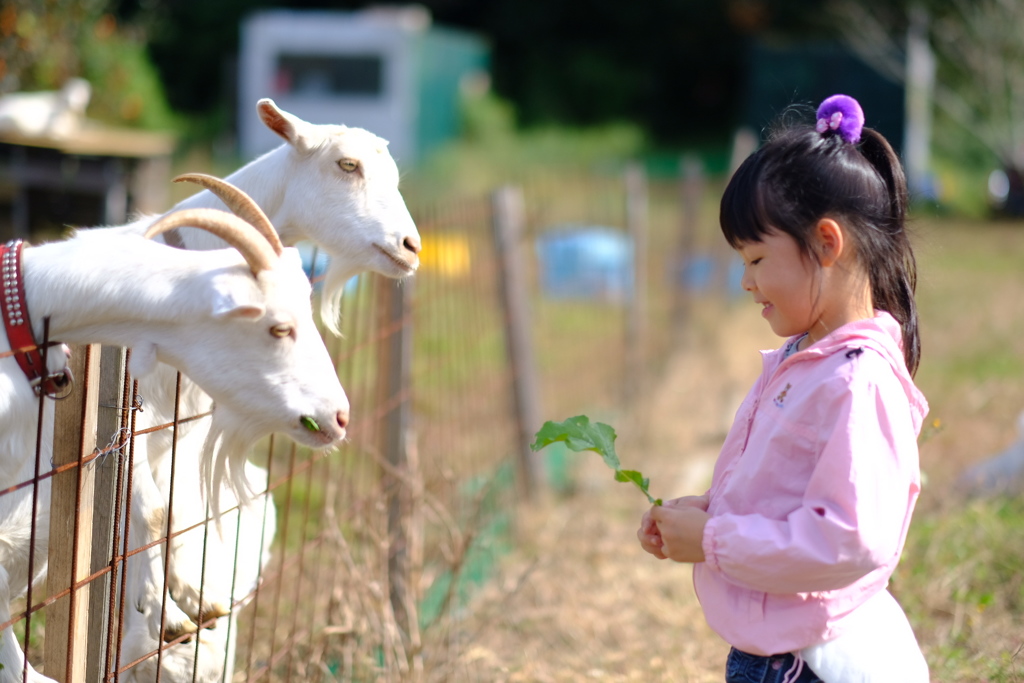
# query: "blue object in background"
697 273
586 262
701 272
314 262
734 279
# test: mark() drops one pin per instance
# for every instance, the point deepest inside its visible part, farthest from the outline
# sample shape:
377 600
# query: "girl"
813 491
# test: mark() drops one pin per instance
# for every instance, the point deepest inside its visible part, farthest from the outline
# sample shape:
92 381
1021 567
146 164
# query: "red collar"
19 328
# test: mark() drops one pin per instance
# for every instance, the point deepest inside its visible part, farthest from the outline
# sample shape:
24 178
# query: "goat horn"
239 202
242 236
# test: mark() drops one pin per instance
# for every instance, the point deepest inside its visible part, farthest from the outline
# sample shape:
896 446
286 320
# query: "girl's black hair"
801 176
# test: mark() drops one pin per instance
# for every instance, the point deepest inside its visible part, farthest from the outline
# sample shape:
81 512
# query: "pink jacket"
813 491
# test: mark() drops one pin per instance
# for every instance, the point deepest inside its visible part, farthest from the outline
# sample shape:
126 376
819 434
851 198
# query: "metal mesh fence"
354 564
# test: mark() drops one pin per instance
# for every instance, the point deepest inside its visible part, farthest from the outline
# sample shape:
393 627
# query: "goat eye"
348 165
281 331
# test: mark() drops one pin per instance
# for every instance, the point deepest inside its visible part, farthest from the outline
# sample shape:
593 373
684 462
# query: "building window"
329 75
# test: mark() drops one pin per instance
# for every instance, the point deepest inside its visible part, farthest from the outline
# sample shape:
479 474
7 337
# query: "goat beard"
225 453
335 280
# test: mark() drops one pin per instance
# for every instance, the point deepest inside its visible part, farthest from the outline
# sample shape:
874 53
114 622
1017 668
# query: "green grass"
994 361
962 583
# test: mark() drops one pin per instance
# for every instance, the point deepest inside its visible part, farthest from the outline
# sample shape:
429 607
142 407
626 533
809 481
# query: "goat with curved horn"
248 345
249 241
336 187
239 202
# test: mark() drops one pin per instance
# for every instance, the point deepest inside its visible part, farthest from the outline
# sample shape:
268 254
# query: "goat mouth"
321 439
318 436
330 439
405 265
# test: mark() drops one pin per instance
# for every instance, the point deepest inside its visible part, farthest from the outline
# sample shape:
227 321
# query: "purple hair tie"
842 114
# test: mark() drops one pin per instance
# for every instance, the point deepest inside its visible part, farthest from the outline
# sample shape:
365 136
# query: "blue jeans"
746 668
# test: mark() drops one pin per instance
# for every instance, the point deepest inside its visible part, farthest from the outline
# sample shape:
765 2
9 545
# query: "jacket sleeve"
854 512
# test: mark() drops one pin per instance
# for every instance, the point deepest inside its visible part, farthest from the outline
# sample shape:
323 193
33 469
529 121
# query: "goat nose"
342 418
412 244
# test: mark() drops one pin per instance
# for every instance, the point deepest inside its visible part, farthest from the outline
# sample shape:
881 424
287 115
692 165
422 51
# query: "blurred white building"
388 70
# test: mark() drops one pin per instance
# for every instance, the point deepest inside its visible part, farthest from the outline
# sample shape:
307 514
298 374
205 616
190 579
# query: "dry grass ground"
579 600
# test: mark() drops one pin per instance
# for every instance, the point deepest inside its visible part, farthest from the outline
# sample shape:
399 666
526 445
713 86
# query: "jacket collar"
881 333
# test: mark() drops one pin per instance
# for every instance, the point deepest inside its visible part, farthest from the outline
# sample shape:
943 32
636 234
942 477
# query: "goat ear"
288 126
143 360
244 311
236 303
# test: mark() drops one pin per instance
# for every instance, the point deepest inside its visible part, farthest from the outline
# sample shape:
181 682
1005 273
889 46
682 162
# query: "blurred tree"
38 40
194 44
673 66
43 43
979 59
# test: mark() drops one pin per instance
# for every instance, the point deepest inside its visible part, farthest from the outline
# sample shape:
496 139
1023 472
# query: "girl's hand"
699 502
680 530
649 535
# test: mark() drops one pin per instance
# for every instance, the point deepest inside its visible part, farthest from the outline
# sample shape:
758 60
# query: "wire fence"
355 564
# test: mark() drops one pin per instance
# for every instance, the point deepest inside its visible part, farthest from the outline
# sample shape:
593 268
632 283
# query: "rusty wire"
322 602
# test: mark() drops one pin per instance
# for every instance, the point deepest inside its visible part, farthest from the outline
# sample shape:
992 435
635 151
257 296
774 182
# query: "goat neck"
113 289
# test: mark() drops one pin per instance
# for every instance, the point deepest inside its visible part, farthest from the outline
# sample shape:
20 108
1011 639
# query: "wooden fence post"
108 426
395 377
691 193
636 318
507 220
71 507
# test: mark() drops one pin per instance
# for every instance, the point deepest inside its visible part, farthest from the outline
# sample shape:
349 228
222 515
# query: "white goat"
237 321
333 185
52 113
235 557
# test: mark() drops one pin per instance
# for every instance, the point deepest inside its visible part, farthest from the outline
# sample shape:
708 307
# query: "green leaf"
579 435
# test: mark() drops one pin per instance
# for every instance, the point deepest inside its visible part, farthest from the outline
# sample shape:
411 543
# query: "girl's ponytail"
894 271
